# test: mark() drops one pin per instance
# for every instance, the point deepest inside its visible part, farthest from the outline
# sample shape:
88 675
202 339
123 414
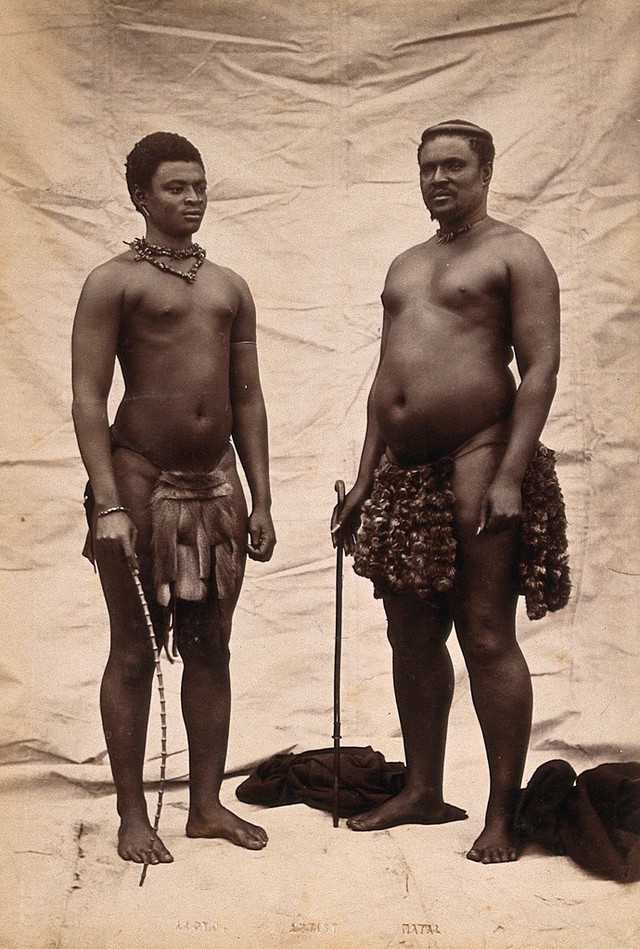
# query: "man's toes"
254 842
259 833
135 857
128 853
498 855
475 854
250 836
261 839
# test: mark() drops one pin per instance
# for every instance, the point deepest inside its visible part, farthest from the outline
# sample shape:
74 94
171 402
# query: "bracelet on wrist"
113 510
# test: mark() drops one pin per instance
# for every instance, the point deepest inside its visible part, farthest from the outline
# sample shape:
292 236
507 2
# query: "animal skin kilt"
406 541
195 536
197 542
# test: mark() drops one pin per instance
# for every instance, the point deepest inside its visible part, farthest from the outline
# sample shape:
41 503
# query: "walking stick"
163 723
339 487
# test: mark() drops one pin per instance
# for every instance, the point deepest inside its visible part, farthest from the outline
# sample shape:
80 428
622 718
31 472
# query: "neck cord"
446 237
151 252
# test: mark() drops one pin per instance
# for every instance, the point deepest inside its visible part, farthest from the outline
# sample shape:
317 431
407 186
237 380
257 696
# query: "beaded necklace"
445 237
150 253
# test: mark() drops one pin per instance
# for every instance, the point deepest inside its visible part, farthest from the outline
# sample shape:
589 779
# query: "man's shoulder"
114 269
521 253
110 277
409 255
224 273
227 277
513 239
496 230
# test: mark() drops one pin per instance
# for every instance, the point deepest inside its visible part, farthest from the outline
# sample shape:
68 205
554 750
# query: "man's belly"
181 434
429 415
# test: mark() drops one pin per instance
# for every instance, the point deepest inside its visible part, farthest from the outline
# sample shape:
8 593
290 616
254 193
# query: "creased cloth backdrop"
308 117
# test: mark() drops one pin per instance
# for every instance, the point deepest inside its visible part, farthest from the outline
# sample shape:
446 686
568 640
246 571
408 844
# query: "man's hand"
501 507
116 535
345 520
262 536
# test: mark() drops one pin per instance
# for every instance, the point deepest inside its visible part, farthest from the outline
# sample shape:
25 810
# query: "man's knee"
416 625
203 631
485 633
212 654
134 664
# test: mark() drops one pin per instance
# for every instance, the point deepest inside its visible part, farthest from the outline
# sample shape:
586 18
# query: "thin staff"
163 723
340 489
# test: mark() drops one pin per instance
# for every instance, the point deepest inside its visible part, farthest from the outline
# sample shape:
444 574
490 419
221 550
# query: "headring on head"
468 130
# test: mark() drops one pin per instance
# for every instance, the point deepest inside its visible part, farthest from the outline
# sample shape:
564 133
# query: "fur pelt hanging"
194 536
406 542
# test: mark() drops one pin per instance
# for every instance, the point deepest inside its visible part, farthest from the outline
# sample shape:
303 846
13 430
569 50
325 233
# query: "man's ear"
139 199
486 172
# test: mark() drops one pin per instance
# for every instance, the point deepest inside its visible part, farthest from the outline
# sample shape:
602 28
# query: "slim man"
456 508
164 498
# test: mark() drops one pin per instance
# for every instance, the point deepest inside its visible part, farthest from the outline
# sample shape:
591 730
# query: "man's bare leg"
128 677
423 682
124 701
202 636
484 615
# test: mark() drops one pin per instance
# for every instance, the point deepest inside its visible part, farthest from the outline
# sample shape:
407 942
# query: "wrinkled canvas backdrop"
308 117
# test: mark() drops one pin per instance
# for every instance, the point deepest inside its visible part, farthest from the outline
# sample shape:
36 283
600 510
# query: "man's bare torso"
174 350
444 377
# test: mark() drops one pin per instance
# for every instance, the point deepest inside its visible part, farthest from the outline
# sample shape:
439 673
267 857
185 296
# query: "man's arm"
346 518
535 329
250 433
94 342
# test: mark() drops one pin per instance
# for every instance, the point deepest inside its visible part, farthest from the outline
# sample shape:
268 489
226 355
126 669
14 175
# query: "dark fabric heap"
594 818
366 780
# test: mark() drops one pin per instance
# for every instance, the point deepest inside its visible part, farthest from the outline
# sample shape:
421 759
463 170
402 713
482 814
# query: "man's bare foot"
134 839
494 845
223 823
406 809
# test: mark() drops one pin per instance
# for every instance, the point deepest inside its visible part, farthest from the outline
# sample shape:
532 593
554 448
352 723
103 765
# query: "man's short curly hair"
147 154
480 141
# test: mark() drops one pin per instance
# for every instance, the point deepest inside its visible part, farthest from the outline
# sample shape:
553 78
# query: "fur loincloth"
406 541
194 539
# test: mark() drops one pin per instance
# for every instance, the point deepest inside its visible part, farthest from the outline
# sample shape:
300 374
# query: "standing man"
164 499
456 508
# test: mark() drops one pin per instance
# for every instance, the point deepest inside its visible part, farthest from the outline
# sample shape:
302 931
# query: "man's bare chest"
452 282
168 306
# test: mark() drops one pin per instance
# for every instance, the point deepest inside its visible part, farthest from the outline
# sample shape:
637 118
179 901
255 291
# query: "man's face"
176 199
452 181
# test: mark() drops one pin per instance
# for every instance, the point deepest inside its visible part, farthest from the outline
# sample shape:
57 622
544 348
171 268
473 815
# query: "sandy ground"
314 885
